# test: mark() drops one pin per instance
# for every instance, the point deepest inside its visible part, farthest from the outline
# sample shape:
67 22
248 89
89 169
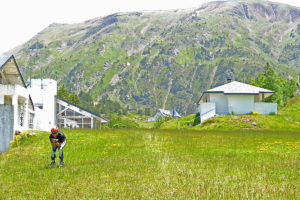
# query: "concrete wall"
221 102
207 110
265 108
6 126
240 104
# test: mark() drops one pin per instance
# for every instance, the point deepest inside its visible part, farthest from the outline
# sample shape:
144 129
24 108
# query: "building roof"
96 115
236 87
165 113
171 113
4 59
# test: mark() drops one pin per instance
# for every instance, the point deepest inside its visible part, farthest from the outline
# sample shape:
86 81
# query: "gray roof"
236 87
164 113
4 58
171 113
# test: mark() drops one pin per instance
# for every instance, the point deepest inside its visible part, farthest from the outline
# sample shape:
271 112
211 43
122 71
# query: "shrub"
255 113
21 139
118 122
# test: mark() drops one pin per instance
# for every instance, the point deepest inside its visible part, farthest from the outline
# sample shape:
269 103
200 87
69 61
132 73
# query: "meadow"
155 164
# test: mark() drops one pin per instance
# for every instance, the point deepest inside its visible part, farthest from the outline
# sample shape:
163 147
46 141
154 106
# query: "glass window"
78 114
86 120
70 112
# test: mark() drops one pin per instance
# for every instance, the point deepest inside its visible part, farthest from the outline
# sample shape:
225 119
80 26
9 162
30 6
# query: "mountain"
165 59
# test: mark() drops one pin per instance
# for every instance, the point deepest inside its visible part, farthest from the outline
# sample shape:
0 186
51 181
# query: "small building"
164 113
71 115
235 98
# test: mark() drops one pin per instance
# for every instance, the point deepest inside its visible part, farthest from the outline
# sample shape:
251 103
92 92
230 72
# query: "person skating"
58 141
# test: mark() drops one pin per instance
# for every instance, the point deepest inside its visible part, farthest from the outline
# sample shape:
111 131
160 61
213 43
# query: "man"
58 141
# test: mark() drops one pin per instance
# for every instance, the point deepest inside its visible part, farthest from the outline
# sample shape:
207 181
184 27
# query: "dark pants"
60 150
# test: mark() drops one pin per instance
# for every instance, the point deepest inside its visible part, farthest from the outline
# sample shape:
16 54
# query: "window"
30 120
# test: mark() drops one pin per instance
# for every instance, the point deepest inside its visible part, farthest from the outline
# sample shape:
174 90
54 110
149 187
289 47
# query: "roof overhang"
221 92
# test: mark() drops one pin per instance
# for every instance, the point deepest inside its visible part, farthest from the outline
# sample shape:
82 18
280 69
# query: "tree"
68 96
284 89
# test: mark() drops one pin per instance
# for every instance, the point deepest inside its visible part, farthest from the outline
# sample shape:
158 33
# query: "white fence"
265 108
207 110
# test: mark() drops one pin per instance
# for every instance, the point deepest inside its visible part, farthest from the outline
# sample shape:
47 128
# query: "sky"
20 20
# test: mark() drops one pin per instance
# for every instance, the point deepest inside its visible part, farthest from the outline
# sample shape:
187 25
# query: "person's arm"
61 139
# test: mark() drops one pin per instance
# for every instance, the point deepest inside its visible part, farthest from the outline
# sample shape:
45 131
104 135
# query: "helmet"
54 130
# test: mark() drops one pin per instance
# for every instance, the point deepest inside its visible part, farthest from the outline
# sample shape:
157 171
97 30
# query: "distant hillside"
288 119
165 59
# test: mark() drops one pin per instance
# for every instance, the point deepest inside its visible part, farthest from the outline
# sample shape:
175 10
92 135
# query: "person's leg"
61 153
53 154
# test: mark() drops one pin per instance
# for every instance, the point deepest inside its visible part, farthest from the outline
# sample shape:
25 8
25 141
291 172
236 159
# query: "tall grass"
155 164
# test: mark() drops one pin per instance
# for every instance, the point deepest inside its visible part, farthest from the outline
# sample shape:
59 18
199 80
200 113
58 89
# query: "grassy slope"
155 164
288 118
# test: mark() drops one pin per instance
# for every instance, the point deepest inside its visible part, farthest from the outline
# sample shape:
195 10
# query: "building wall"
207 111
240 104
221 102
6 126
265 108
43 92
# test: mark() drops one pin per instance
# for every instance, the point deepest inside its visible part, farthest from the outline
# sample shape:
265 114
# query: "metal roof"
236 87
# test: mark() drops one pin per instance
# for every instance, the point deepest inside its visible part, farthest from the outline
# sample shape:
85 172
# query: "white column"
16 117
92 122
26 113
1 99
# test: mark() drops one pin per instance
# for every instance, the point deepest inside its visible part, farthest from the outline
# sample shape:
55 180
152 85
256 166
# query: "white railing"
206 110
265 108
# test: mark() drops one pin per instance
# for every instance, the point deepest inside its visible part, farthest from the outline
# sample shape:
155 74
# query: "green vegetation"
155 164
68 96
283 89
122 122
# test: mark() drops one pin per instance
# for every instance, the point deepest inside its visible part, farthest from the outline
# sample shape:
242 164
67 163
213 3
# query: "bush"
21 139
118 122
255 113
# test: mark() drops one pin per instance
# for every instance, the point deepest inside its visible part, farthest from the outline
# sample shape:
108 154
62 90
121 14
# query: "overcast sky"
20 20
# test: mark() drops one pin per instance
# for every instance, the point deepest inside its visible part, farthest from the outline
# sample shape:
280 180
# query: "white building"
71 115
164 113
35 105
235 98
14 94
43 92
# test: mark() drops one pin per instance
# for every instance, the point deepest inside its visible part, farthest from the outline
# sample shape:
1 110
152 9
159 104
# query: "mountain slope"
166 59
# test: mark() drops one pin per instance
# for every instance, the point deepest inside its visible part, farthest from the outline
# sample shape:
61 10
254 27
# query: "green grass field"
155 164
